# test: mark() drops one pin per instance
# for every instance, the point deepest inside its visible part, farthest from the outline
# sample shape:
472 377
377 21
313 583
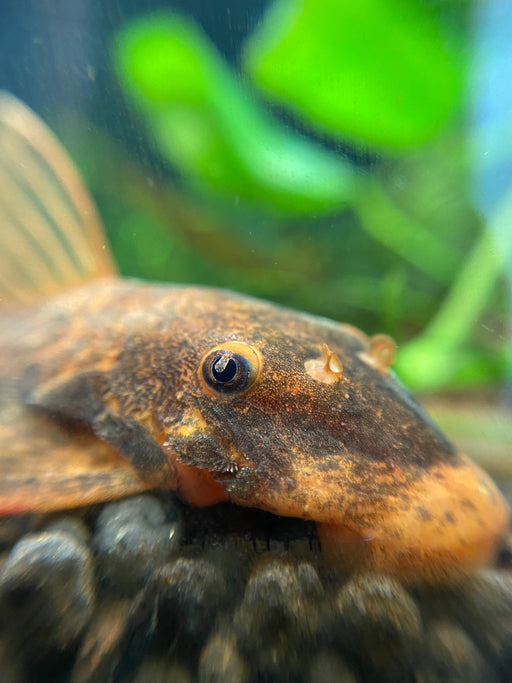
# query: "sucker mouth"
228 472
446 517
260 528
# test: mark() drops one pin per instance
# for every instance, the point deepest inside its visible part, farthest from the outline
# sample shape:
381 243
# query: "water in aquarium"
255 341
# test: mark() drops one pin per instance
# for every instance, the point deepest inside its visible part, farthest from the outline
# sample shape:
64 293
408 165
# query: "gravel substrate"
147 589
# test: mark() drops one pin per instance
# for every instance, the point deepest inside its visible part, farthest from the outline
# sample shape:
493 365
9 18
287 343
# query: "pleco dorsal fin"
51 236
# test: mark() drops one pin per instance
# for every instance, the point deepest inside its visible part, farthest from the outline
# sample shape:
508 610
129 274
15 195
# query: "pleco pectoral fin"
136 444
82 400
43 467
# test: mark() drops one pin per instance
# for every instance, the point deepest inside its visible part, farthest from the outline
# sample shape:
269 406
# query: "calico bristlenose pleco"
110 386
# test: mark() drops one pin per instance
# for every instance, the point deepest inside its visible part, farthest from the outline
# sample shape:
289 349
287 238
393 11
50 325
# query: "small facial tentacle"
327 369
380 353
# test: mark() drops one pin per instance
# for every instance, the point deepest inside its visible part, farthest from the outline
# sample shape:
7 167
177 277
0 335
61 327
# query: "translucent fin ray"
50 234
43 467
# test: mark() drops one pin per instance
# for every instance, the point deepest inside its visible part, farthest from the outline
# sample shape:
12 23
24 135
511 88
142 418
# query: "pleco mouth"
448 518
451 521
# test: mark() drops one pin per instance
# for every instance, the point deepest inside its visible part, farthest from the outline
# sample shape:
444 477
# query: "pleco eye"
230 368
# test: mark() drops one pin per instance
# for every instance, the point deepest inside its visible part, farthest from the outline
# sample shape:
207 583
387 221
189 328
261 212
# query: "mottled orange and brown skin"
357 455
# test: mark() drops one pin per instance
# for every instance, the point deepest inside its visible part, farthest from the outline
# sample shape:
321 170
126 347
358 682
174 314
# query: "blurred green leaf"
441 355
429 363
379 72
394 228
207 124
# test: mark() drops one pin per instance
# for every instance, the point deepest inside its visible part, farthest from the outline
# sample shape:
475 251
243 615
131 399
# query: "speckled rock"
11 670
451 656
131 539
329 667
160 671
221 660
177 609
103 646
46 593
375 618
13 528
278 617
483 606
73 526
504 558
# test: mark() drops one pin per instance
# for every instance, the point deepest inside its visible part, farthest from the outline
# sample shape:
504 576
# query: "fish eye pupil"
229 369
224 369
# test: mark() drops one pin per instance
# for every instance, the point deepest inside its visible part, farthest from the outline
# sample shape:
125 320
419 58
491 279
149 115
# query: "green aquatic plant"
399 244
209 125
386 74
441 355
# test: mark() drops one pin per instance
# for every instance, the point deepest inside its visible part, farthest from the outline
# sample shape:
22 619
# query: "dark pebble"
161 671
102 647
482 605
376 619
46 593
278 618
177 609
504 558
72 526
132 538
13 528
452 657
10 667
329 667
221 661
